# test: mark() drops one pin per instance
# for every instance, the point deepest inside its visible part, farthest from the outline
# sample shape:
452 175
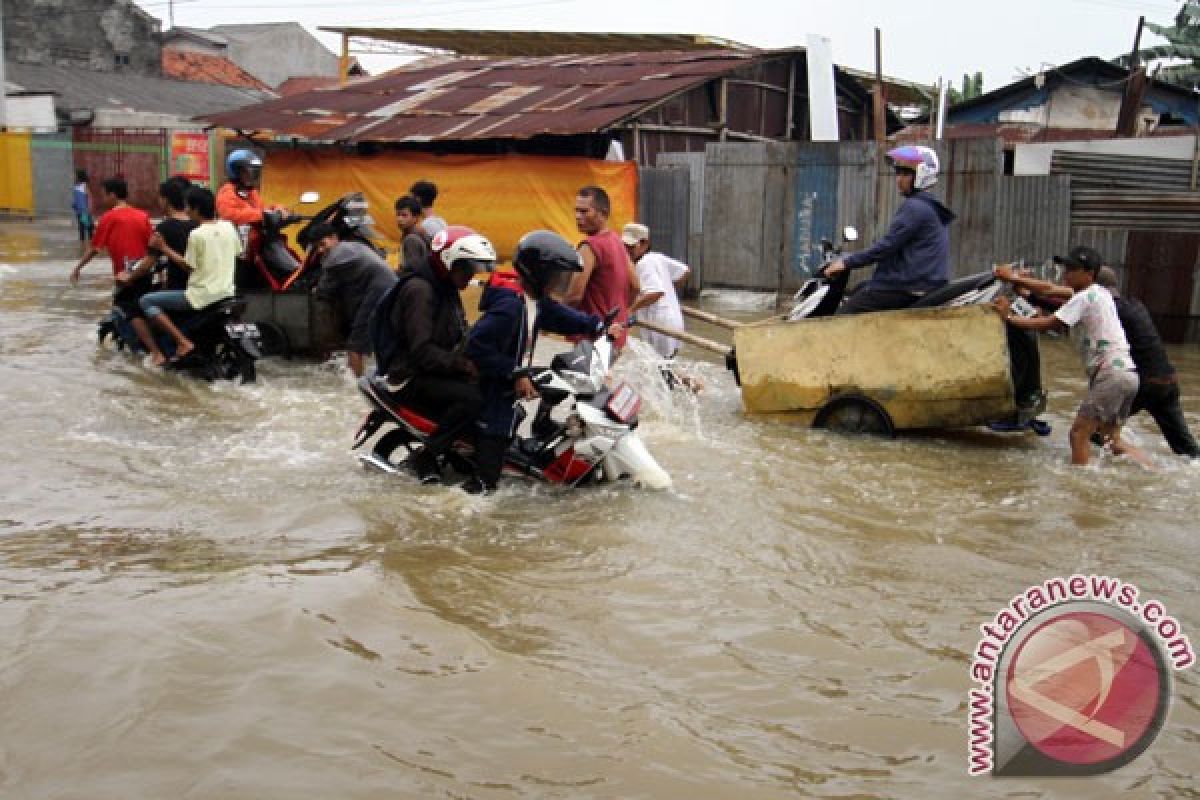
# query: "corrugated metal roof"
79 88
536 43
476 98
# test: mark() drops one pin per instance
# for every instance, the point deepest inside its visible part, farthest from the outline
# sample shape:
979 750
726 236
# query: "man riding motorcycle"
913 257
238 199
544 262
419 332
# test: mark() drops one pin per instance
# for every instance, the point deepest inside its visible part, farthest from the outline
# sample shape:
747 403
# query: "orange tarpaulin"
502 197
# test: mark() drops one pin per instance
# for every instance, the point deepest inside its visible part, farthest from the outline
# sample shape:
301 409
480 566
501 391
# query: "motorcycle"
277 280
820 296
578 430
226 347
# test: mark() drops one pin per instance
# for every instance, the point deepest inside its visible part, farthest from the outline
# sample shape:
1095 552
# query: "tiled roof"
186 65
305 83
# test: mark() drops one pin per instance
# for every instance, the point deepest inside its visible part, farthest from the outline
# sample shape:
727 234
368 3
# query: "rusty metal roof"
536 43
488 98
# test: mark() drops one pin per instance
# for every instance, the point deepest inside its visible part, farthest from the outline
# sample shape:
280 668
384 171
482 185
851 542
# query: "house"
97 36
509 139
648 102
1077 101
276 51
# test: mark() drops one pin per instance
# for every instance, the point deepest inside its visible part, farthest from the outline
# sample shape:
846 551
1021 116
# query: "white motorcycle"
578 430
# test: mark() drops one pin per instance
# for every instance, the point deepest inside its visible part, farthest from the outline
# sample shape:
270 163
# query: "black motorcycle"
226 347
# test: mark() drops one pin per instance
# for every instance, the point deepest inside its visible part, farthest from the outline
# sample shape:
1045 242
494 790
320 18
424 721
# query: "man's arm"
1038 287
579 280
635 283
1040 324
91 252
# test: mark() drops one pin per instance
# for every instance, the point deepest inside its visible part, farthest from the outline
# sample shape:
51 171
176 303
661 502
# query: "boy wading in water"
1112 378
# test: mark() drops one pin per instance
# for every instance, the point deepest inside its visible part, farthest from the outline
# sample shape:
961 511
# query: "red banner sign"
189 155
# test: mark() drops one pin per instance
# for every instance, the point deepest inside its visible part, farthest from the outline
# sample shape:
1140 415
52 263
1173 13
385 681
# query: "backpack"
385 341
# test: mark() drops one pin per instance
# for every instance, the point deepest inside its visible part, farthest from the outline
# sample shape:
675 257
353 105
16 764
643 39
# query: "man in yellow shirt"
210 260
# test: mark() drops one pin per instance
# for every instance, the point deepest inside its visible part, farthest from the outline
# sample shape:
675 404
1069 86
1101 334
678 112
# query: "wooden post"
1196 146
684 336
344 61
1135 88
791 103
879 110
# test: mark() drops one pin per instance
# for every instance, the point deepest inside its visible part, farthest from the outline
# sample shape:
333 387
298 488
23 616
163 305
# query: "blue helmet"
238 159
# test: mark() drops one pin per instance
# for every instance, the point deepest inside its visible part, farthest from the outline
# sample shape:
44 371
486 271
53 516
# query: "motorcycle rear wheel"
231 362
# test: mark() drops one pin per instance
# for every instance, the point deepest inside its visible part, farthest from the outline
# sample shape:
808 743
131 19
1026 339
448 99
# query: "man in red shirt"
608 279
123 231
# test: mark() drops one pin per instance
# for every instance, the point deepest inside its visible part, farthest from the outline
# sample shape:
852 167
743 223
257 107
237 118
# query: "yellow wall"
502 197
16 172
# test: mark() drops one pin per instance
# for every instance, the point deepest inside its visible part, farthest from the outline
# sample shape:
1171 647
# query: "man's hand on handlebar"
524 388
834 267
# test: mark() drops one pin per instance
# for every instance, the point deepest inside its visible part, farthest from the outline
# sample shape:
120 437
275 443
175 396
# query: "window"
121 59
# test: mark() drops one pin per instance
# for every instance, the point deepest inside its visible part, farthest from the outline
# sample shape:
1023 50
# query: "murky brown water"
205 597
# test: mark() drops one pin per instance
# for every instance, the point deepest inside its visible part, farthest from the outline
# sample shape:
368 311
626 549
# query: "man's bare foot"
183 351
157 359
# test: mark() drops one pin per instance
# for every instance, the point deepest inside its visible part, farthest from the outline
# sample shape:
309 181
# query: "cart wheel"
274 340
855 414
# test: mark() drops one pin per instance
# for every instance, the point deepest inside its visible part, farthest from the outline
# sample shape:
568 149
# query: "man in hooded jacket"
913 257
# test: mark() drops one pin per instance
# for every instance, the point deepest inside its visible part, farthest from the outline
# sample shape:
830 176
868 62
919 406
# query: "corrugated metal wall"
1102 170
1033 218
53 173
830 185
695 233
663 206
748 208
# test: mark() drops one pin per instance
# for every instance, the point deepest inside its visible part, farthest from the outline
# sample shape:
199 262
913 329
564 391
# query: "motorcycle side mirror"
309 197
850 233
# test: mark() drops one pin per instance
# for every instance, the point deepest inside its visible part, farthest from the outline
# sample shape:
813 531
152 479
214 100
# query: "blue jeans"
155 303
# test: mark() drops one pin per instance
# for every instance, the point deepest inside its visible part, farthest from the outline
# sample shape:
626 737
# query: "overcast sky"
922 39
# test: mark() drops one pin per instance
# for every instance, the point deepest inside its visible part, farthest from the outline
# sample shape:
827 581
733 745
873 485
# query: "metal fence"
766 208
139 156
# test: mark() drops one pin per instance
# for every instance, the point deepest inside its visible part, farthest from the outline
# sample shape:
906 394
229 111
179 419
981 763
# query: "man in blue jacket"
498 343
913 257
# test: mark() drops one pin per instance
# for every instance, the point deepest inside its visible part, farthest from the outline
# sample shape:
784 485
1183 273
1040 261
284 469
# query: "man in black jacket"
1158 390
419 338
355 277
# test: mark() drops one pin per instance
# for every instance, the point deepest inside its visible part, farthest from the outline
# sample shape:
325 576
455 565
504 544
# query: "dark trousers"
489 458
866 299
452 403
1162 401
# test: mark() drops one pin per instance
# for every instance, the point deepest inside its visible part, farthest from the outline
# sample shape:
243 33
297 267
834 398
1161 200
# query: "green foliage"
1183 45
972 86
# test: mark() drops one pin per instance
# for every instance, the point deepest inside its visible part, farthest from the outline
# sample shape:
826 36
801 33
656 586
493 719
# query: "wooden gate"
1161 266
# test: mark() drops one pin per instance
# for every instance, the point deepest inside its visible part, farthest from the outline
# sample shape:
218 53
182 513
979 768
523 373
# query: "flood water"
205 597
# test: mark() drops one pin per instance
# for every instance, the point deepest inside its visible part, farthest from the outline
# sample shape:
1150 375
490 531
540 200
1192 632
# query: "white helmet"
461 248
922 160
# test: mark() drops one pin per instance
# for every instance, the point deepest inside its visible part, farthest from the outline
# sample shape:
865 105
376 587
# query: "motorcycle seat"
953 289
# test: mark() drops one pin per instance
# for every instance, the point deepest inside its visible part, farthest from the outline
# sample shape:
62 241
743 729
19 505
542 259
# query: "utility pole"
171 12
879 108
3 84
